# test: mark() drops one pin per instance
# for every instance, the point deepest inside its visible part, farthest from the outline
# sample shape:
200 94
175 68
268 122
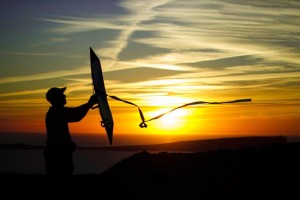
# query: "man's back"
58 134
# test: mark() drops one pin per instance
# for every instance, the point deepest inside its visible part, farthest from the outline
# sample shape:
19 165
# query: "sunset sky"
159 54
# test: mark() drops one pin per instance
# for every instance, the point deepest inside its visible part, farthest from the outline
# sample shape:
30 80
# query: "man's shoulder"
57 109
55 112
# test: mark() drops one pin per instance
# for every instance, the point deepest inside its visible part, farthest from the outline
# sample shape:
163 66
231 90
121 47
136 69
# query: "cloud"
51 41
45 76
72 25
227 26
128 24
28 53
142 12
204 45
140 74
21 93
227 62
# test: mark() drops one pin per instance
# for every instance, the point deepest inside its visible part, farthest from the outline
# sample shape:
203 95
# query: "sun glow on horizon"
176 120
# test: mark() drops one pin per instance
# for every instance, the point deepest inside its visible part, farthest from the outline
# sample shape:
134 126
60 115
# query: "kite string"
143 123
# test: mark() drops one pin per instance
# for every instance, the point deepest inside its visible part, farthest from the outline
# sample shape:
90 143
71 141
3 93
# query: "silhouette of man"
59 145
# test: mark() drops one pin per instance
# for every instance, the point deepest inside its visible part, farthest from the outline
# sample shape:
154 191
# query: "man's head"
56 96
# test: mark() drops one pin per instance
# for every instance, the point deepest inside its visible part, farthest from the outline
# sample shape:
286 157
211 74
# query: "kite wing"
99 89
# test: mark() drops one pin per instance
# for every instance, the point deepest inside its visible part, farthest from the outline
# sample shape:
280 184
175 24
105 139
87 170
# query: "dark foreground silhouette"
60 147
266 172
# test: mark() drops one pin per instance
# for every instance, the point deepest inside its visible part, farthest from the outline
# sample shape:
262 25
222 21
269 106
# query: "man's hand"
93 100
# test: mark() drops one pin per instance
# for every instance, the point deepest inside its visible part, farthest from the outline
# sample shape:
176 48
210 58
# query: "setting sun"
176 120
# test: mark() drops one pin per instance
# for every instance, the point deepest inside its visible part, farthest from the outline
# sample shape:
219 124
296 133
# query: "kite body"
99 89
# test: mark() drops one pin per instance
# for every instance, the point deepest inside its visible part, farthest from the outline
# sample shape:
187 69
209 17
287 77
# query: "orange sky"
241 119
238 120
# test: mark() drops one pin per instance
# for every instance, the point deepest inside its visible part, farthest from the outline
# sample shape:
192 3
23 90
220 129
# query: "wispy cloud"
139 12
28 53
50 41
196 25
71 25
45 76
227 26
29 92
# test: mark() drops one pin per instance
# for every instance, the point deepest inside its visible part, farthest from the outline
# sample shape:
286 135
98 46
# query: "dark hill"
200 145
266 172
191 146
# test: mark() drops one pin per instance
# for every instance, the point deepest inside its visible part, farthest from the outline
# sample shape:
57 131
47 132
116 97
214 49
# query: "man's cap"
54 92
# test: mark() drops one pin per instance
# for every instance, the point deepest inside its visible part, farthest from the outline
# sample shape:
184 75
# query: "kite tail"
143 123
196 103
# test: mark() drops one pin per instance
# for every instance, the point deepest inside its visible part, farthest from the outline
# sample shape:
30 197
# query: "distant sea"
85 161
91 140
